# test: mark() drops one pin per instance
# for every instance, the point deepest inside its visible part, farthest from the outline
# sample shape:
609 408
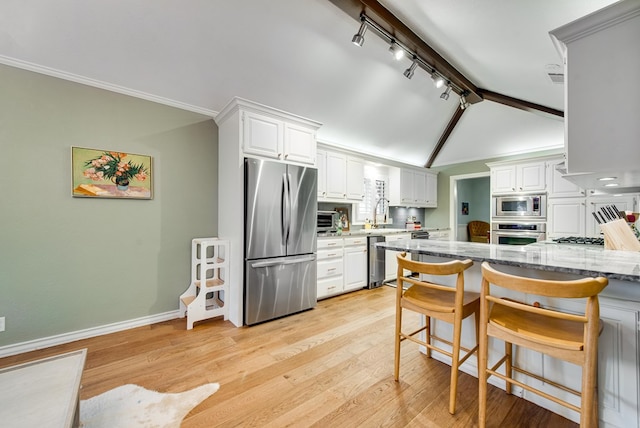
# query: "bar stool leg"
508 367
396 370
427 332
483 345
455 358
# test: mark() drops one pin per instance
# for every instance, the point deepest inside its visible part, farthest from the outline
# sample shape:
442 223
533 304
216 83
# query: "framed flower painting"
108 174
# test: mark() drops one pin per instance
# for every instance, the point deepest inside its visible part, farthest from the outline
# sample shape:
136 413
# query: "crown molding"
29 66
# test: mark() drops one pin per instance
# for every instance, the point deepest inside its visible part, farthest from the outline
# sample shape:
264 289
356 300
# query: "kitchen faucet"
375 211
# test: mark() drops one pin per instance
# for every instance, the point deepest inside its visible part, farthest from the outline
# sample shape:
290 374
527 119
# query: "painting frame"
343 218
100 173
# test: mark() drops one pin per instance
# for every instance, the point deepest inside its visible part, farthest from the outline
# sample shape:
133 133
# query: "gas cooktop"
579 240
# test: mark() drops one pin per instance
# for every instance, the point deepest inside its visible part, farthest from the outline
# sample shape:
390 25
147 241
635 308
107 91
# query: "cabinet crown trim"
594 22
238 103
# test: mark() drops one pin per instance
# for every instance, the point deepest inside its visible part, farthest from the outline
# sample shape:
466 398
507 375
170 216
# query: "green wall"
68 264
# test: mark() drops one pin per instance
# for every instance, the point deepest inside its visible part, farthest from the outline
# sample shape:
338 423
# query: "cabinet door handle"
331 269
286 156
279 155
331 254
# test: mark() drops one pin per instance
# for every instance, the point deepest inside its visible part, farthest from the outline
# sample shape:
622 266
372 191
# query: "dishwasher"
375 268
418 234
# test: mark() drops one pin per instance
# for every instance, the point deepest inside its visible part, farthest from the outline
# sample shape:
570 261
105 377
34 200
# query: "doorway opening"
470 199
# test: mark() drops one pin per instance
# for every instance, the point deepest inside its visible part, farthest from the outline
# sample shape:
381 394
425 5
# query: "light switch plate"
1 323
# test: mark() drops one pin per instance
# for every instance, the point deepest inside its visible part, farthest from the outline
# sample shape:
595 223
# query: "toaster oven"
327 221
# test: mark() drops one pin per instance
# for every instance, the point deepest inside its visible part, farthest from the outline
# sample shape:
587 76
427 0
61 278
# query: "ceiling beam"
519 104
406 36
445 135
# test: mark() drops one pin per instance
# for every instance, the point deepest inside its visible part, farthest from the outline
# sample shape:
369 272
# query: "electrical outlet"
1 323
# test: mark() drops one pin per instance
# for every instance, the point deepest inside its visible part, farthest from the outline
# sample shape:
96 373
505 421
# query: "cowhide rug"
133 406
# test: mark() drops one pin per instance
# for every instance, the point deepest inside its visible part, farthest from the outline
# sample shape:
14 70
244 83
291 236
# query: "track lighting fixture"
408 73
445 94
463 102
358 38
396 50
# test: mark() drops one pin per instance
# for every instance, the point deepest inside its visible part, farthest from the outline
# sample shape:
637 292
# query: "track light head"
445 94
396 50
438 81
358 38
408 73
463 102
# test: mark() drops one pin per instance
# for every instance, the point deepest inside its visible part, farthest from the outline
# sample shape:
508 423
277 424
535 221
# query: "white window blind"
374 189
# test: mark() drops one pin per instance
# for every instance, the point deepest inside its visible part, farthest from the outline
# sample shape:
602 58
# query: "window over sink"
375 197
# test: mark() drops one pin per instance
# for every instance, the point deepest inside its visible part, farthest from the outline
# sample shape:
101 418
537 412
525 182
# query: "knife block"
618 236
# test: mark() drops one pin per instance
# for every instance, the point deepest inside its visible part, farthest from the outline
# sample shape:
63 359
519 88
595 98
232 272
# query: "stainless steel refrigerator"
280 240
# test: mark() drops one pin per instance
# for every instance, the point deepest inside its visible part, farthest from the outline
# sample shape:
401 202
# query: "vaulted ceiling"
297 55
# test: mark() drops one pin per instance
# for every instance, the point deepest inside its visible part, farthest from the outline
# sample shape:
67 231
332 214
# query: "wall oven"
516 233
519 206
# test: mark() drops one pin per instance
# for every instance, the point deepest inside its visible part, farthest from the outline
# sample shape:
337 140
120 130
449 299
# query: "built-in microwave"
520 206
327 221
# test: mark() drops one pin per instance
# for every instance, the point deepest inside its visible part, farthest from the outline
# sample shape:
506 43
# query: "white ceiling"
296 55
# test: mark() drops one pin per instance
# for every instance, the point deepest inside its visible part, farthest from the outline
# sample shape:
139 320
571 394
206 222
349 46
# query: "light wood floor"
328 367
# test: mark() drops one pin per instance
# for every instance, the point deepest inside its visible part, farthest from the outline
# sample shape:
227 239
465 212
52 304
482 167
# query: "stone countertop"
582 260
381 231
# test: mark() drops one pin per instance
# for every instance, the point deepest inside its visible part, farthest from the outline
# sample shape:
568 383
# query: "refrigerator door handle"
268 263
283 209
287 200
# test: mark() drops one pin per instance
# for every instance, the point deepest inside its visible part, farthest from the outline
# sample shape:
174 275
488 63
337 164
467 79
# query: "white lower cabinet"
618 373
330 267
342 265
390 257
355 263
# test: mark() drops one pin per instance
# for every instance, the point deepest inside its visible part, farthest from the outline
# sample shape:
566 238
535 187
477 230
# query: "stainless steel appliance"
579 240
327 220
520 206
280 240
375 271
515 233
420 234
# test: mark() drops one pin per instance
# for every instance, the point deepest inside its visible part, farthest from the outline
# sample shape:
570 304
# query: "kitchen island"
618 372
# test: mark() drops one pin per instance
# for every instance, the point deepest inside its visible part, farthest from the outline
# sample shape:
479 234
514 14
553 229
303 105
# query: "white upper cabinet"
336 176
566 217
270 133
269 137
340 177
557 186
602 66
413 188
432 190
321 163
519 177
355 179
263 135
299 144
624 202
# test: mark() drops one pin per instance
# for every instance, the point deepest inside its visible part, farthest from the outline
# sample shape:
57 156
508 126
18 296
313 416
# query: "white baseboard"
59 339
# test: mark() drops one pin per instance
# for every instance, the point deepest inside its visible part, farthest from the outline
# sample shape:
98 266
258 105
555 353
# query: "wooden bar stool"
449 304
569 337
